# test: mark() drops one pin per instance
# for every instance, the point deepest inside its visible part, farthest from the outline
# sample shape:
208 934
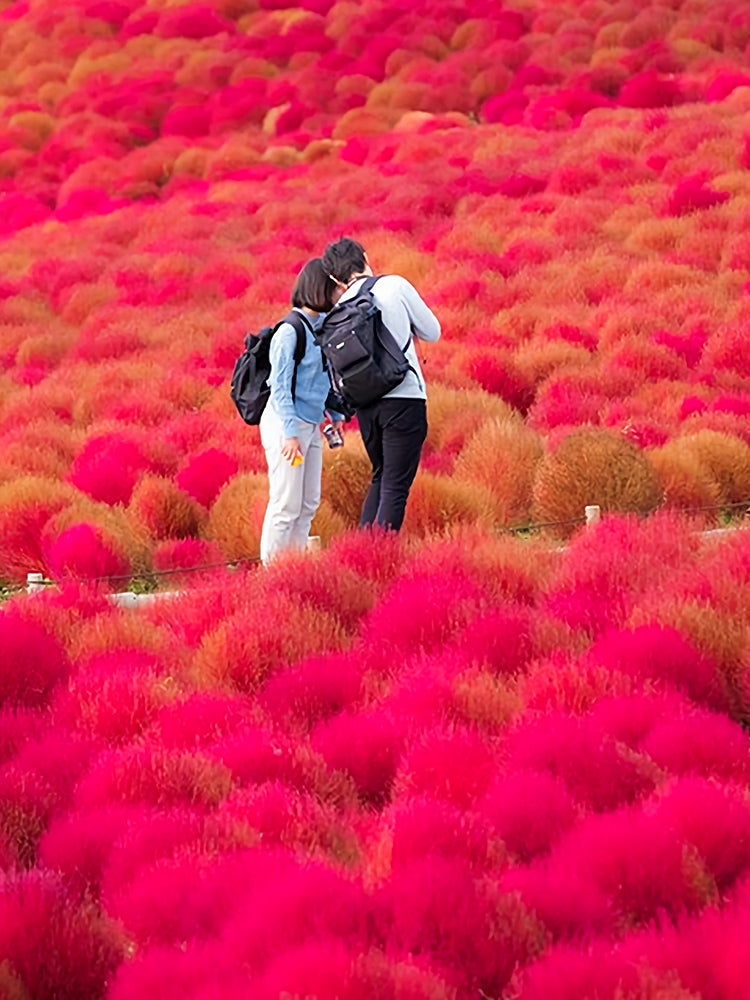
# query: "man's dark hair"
344 258
312 287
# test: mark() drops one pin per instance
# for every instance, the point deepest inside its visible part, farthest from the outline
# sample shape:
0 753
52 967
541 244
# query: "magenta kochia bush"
456 764
182 898
176 974
423 825
84 551
597 772
700 742
33 662
275 813
112 697
440 908
205 474
153 775
365 745
713 820
108 467
55 945
657 653
630 718
298 902
594 969
147 836
313 690
529 811
318 967
78 844
420 611
255 754
637 861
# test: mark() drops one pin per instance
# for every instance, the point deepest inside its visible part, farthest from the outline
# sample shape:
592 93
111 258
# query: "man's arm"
424 322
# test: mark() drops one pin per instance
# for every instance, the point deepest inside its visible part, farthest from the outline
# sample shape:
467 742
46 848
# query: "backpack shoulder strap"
301 325
367 284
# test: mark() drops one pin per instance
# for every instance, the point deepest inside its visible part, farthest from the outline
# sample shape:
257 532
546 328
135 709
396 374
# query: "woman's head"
344 258
312 288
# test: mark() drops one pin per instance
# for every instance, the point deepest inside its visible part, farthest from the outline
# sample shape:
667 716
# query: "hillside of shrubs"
499 755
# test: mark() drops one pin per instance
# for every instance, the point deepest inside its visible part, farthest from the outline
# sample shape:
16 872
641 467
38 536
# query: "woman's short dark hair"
312 287
344 258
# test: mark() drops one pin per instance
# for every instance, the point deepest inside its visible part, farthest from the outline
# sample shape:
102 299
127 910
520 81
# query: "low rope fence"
36 582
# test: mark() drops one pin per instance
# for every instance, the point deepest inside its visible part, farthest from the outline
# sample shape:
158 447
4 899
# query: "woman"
290 425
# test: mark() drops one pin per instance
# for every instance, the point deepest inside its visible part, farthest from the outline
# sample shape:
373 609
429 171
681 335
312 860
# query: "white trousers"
294 491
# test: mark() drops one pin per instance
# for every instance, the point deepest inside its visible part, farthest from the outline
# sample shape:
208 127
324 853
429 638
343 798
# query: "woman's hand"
291 450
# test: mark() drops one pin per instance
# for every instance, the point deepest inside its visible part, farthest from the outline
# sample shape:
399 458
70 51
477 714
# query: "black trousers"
393 431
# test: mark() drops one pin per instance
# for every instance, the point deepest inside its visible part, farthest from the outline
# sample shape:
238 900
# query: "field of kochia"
466 761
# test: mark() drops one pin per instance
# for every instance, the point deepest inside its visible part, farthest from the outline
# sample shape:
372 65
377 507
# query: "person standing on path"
290 424
394 427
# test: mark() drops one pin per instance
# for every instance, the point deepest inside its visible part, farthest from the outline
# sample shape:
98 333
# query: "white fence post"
34 583
593 514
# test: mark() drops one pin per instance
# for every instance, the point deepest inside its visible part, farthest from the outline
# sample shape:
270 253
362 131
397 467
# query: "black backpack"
250 389
364 359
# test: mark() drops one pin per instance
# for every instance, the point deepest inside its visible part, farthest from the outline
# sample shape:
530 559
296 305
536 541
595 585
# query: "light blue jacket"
313 384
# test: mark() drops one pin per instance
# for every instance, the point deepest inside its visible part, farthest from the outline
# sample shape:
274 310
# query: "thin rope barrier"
42 582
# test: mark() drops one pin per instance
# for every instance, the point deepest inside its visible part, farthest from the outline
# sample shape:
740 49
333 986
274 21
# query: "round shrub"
32 662
593 467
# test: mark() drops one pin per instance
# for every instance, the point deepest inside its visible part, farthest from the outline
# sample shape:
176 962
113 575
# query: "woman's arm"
281 354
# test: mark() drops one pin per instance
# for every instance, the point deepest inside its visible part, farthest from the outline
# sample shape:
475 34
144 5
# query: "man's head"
344 258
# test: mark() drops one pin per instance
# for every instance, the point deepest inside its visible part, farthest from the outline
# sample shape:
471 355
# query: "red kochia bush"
425 825
112 697
702 743
303 902
692 194
714 820
313 690
419 611
108 467
176 974
500 637
33 662
529 811
595 770
205 474
365 745
658 653
84 551
201 718
437 907
637 861
58 947
456 765
78 844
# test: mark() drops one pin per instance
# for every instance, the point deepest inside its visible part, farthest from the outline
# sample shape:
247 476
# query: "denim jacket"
313 383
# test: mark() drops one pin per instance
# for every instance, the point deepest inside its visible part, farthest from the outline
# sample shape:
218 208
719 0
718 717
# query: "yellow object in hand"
297 460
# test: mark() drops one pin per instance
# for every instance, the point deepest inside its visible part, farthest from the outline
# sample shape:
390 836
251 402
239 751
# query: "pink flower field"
497 755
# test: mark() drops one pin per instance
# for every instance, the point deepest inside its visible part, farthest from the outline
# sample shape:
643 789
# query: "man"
394 427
